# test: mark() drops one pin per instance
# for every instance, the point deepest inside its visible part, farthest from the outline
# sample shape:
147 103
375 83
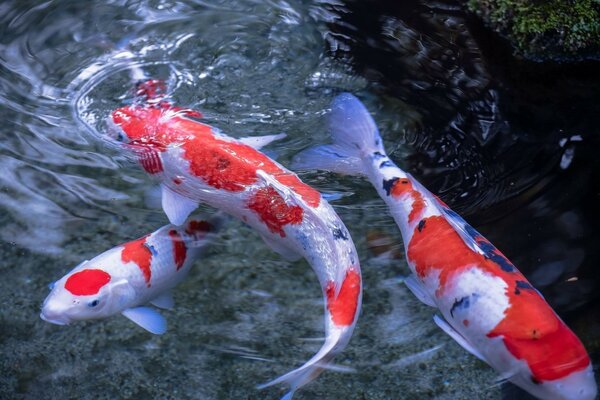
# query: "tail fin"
354 135
335 341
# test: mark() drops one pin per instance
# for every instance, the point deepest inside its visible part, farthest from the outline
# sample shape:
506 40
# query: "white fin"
418 290
285 252
164 301
354 135
258 142
312 368
334 196
147 318
328 158
457 337
176 206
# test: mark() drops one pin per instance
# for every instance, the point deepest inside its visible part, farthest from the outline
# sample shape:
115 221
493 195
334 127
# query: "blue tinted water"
244 316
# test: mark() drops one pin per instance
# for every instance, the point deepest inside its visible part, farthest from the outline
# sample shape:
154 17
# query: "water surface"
245 316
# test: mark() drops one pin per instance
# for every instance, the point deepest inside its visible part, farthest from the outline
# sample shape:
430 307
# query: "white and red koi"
195 163
490 307
125 278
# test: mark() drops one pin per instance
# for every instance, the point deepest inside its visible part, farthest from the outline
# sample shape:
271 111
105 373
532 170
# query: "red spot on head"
179 248
87 282
343 307
138 253
530 330
404 187
177 181
273 210
465 322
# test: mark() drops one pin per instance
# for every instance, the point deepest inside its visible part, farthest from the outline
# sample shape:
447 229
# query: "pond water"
511 149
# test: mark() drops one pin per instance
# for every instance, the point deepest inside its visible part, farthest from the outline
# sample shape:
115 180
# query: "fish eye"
93 303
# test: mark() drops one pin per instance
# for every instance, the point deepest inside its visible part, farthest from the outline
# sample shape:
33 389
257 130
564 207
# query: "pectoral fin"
164 301
418 290
457 337
147 318
176 206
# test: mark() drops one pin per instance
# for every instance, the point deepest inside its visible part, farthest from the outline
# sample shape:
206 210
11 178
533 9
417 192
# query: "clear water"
244 316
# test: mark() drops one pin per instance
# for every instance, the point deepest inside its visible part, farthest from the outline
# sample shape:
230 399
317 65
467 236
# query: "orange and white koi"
195 163
488 306
124 279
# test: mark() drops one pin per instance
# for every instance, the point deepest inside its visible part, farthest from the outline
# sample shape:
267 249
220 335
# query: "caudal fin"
354 135
335 341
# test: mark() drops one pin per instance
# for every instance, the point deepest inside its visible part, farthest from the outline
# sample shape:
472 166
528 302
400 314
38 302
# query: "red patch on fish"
273 210
530 329
87 282
195 226
403 187
179 249
532 332
138 253
343 307
222 164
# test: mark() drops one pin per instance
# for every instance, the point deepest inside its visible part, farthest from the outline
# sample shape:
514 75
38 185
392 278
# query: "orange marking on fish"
87 282
273 210
530 329
137 252
343 307
404 187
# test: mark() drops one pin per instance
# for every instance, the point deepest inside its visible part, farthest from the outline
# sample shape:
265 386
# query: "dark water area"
509 144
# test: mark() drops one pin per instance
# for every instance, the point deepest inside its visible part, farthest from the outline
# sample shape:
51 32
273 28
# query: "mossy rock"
545 29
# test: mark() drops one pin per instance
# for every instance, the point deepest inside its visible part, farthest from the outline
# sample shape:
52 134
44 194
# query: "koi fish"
125 278
488 306
195 163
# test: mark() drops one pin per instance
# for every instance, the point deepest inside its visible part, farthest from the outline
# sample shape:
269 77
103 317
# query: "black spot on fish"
489 250
151 248
535 380
463 303
377 154
386 163
522 285
338 233
389 184
421 225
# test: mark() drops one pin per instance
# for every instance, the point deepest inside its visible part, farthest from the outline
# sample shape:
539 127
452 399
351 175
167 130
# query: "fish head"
134 124
85 294
578 385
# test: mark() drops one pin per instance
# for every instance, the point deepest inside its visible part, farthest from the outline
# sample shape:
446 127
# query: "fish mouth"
56 321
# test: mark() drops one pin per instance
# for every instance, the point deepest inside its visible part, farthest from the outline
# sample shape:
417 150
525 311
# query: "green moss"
544 28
